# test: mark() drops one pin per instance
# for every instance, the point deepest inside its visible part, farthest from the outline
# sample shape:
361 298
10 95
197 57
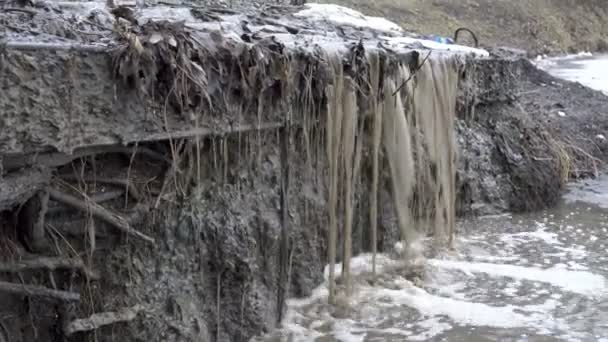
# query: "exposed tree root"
100 212
97 320
48 263
38 292
125 183
56 159
100 197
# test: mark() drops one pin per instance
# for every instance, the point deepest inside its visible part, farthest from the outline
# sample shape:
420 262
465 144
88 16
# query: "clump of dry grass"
162 60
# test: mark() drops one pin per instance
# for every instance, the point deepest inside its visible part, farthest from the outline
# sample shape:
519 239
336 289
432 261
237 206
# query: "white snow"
580 282
345 16
157 13
589 70
402 42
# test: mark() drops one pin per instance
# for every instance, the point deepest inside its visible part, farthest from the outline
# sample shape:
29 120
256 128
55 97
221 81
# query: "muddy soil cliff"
218 245
221 261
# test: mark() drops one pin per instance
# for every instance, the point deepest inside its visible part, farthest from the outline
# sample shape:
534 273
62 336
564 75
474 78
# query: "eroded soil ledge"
212 206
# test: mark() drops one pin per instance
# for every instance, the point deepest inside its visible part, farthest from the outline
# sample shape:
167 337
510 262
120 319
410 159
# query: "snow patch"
403 42
345 16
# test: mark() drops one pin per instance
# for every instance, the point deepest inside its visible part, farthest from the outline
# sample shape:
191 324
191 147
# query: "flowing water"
535 277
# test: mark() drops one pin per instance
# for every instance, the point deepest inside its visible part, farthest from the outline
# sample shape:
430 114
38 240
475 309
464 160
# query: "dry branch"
100 197
204 132
95 321
98 211
21 10
133 191
55 159
39 292
48 263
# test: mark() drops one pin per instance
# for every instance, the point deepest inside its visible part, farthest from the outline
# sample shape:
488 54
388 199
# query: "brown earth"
538 26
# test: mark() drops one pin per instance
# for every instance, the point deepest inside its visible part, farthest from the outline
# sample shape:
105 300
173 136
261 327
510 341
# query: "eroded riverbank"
216 210
530 277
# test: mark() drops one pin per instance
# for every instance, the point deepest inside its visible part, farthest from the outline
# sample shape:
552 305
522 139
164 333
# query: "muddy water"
533 277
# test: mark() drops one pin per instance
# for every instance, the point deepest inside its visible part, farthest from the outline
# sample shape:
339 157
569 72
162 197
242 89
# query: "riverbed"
535 277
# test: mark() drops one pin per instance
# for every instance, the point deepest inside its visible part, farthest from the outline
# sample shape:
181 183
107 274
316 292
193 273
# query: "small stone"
600 137
560 113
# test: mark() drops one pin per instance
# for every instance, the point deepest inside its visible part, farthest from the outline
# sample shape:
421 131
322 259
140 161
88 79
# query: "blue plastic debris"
442 40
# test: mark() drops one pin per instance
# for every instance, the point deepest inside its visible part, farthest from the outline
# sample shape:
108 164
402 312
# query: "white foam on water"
433 327
581 282
363 264
541 234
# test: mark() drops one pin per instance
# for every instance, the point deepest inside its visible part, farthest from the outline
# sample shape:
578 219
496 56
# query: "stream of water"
535 277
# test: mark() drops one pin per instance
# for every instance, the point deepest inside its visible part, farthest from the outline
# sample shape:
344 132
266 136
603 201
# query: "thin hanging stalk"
349 128
377 135
334 128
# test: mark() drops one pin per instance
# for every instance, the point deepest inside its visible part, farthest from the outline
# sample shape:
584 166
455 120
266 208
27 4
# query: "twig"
98 211
55 159
98 320
98 198
22 10
132 190
414 72
38 291
48 263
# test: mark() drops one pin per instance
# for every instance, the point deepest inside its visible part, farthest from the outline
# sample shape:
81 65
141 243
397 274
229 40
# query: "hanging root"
334 133
376 138
349 128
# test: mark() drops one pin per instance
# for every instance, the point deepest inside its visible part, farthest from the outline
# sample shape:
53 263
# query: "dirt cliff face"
217 250
216 269
543 26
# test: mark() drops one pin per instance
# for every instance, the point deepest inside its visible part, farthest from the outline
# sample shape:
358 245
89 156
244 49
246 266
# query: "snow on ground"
587 69
340 15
